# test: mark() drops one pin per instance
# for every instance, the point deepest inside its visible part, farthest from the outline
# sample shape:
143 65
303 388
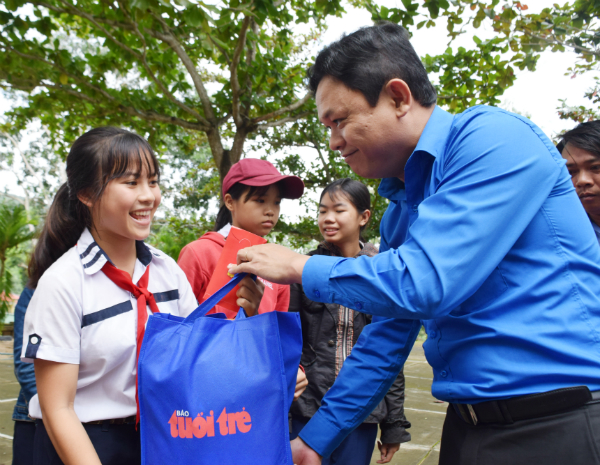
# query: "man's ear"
228 201
399 92
84 199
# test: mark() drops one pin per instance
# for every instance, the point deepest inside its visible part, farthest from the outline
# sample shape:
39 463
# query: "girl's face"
339 220
127 206
259 214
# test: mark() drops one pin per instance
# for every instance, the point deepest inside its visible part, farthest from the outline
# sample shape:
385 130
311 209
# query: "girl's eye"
595 167
337 122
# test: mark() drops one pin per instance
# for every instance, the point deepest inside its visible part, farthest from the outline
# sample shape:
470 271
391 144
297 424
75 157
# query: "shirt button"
317 293
415 207
359 306
330 343
432 334
444 373
34 340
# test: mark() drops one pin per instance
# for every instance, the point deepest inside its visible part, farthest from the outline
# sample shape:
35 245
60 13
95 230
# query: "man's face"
368 138
584 168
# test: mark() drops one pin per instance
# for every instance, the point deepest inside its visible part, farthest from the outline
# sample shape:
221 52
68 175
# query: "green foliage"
172 234
224 71
14 231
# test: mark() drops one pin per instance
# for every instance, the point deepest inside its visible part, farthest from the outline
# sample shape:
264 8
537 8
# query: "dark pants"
114 444
23 443
568 438
356 449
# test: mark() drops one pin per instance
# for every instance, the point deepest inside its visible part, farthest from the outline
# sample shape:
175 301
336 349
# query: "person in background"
24 424
580 147
252 192
329 331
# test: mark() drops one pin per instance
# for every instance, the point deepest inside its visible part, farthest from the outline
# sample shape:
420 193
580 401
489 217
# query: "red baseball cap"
255 172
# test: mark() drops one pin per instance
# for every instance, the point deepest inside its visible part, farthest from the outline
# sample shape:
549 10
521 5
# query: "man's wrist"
298 267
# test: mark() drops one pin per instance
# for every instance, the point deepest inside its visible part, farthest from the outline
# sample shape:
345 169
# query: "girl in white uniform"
96 282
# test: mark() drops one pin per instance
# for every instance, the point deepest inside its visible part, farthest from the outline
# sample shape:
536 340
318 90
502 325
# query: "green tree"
14 231
227 71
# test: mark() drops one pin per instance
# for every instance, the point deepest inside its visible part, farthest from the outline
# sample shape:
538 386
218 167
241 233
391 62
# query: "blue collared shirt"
597 231
484 245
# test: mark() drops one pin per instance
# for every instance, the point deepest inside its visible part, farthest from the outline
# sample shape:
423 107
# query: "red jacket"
199 259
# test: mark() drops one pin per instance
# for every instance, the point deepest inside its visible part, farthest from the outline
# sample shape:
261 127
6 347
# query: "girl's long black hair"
96 158
355 191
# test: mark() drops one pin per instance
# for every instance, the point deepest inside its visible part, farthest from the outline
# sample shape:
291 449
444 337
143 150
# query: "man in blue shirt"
482 243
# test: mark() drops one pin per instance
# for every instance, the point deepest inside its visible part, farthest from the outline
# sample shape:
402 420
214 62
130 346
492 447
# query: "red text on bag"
183 426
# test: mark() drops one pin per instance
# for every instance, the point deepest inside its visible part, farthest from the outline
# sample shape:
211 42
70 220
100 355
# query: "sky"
535 94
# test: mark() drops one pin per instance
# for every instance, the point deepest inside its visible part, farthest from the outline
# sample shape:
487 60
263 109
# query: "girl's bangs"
128 155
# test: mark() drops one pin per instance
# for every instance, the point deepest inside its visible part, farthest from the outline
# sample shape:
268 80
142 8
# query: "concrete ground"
425 415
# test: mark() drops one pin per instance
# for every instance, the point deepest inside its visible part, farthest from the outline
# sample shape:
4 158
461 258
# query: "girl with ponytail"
96 282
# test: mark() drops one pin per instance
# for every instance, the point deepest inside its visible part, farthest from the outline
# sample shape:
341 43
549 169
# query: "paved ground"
425 415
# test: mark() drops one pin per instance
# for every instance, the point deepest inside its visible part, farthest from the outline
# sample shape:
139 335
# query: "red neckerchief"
144 297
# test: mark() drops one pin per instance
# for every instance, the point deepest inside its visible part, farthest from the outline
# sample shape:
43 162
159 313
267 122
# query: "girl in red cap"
252 193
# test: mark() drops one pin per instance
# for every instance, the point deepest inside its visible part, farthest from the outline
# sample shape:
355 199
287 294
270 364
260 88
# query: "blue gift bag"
214 391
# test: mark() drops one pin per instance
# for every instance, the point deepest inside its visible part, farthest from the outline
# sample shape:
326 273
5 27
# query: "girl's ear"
228 201
84 199
364 217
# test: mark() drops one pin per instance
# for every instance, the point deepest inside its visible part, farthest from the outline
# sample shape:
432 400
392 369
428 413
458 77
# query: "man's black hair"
369 58
585 136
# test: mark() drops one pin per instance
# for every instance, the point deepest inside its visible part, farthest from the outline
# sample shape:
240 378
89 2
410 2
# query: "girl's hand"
387 451
250 294
302 454
301 383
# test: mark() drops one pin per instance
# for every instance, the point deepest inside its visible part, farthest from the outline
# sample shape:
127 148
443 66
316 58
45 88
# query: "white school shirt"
78 315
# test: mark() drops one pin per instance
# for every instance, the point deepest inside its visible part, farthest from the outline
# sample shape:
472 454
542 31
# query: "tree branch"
170 39
235 84
281 122
146 66
294 106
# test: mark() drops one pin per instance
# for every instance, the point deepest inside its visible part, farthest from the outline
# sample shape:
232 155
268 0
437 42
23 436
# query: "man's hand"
302 454
272 262
387 451
249 295
301 383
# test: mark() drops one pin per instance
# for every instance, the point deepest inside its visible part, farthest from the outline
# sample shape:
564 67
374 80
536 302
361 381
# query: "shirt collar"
93 257
596 228
432 141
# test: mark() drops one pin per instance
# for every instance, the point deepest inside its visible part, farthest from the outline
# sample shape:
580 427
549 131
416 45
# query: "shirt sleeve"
364 380
496 177
191 265
52 329
187 300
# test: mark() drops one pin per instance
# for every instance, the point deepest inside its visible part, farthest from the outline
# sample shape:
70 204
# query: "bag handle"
214 299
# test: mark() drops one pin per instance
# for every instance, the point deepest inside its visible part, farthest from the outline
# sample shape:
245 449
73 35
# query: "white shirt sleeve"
187 300
52 329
